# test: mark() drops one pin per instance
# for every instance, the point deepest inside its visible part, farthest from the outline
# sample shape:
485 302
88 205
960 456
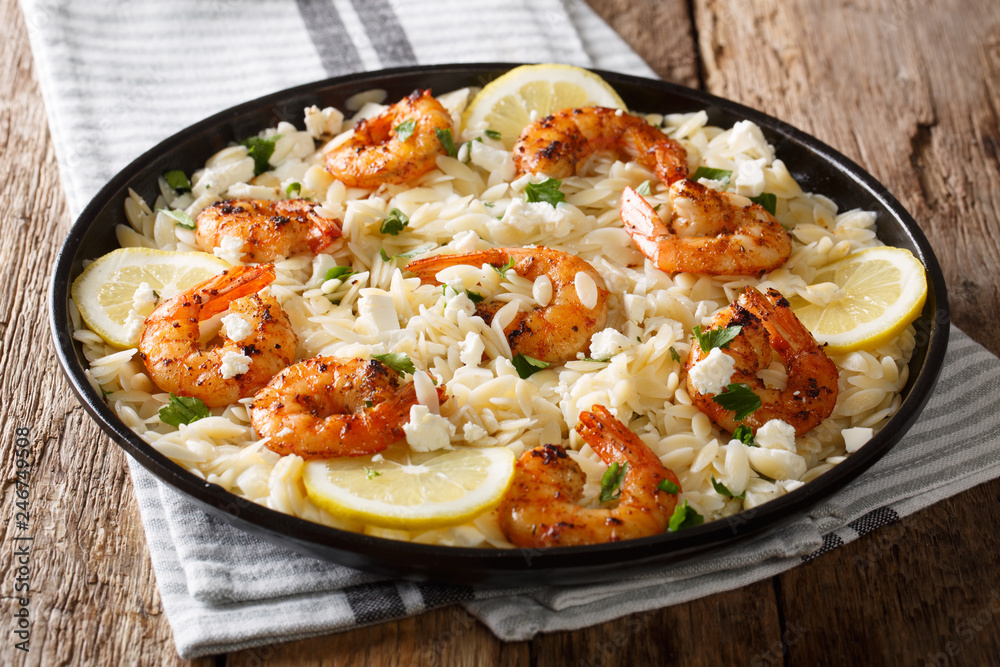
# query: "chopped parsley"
744 434
177 179
597 361
394 223
527 366
260 150
397 361
767 200
447 141
502 270
684 516
293 189
546 191
721 175
183 410
740 399
492 134
405 129
339 273
715 337
667 486
371 473
673 354
474 297
180 217
612 480
409 254
644 188
721 489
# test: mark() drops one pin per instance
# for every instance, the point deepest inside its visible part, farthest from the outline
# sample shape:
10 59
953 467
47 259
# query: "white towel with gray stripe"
118 77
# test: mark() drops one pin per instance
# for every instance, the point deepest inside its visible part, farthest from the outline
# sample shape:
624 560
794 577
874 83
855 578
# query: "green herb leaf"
260 150
596 361
502 270
468 152
673 354
183 410
547 191
293 189
657 208
409 254
447 141
715 337
474 297
685 516
339 273
710 174
180 217
397 361
489 204
405 129
740 399
527 366
492 134
394 223
767 200
721 489
744 434
177 179
368 404
612 480
668 486
371 473
644 188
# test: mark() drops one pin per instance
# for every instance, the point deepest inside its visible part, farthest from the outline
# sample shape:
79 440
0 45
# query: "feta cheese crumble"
712 374
855 437
235 327
230 249
776 434
233 364
606 344
427 432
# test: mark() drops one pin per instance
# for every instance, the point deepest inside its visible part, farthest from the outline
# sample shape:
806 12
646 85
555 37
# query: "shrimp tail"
232 284
642 223
428 267
322 234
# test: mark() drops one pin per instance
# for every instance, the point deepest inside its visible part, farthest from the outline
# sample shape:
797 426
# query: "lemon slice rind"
882 290
412 490
103 292
529 92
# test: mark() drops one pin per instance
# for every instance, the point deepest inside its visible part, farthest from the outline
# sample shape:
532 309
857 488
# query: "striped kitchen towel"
118 77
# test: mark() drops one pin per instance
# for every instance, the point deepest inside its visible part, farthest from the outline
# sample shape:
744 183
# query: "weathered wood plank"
93 596
660 31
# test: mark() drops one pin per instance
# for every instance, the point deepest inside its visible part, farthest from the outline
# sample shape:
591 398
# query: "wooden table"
910 90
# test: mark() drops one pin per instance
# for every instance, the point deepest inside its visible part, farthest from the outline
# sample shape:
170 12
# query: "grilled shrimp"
326 407
558 144
711 232
767 321
555 332
394 147
178 362
267 229
542 508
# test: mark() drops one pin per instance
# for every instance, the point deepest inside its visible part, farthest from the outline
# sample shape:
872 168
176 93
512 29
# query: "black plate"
817 167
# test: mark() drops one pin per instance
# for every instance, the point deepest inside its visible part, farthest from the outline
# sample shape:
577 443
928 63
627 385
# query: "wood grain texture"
93 596
910 90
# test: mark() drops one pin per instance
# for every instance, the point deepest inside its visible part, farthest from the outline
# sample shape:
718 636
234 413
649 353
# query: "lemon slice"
879 292
527 93
103 292
412 490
